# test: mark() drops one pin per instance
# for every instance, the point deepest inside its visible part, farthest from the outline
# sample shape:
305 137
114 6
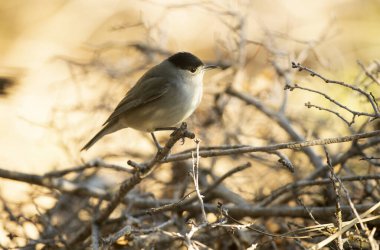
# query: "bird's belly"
164 112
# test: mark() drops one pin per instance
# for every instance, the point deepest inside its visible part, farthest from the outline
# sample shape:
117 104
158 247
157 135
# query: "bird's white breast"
194 89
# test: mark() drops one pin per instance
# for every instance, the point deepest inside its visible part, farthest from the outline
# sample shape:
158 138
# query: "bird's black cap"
185 60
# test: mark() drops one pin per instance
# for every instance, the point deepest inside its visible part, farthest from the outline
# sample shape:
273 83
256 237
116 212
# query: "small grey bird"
164 96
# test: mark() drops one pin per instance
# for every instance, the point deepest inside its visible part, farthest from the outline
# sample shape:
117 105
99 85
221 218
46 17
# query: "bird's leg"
159 147
165 128
169 128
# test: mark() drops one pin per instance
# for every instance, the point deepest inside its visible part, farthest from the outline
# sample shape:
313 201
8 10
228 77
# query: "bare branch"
233 150
196 181
357 89
137 177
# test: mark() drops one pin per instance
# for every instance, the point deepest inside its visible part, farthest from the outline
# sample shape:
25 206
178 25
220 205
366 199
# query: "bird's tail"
109 128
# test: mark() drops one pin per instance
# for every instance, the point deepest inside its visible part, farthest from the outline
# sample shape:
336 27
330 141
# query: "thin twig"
309 212
367 73
357 89
352 204
128 230
196 181
336 187
353 112
309 105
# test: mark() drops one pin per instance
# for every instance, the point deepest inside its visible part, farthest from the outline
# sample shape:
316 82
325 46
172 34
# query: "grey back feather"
149 88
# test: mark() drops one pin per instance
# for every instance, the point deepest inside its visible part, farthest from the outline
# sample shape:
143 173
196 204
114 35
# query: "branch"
280 119
55 183
130 183
353 112
309 105
242 149
250 210
359 90
92 164
355 150
195 176
367 73
306 183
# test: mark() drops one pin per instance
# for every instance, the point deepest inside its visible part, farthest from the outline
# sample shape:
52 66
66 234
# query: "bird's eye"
192 70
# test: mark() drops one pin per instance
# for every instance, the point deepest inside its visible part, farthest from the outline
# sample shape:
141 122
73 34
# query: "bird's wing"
147 89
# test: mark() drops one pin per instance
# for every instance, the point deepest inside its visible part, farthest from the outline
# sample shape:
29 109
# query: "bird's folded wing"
143 92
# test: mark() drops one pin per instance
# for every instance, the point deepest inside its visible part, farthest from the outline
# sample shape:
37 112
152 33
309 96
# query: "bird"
163 97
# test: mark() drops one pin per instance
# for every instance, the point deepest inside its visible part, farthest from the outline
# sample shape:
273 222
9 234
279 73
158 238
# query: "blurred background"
64 65
43 44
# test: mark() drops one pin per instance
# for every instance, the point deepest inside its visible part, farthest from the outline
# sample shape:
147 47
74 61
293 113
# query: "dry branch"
131 182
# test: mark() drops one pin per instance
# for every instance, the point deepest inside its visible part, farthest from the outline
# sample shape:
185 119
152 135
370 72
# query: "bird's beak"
208 67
